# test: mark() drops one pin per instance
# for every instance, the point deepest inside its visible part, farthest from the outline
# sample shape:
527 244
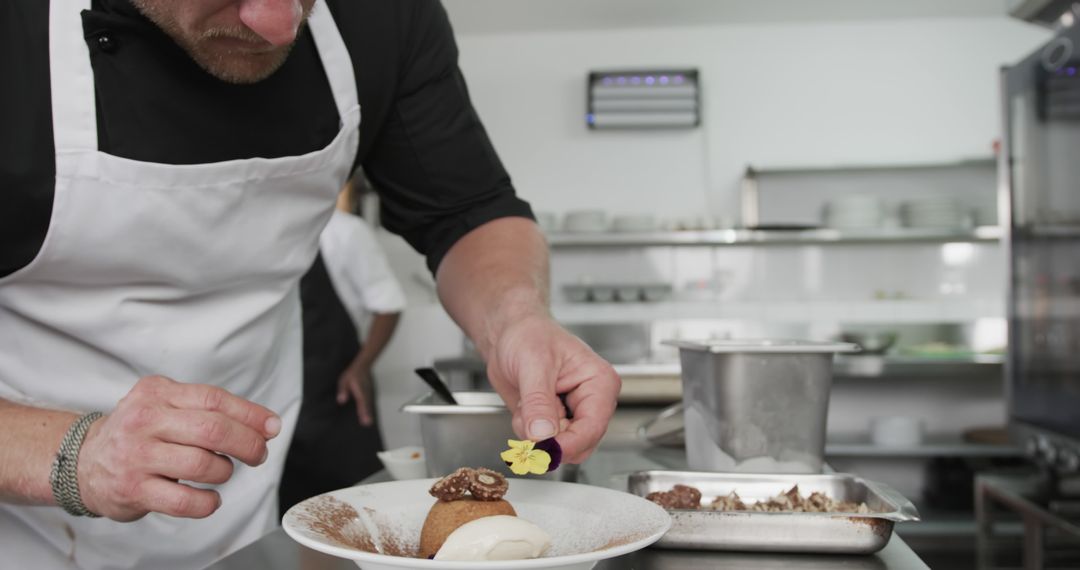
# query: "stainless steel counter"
277 551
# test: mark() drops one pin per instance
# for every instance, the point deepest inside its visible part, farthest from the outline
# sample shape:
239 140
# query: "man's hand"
355 382
164 432
494 283
533 362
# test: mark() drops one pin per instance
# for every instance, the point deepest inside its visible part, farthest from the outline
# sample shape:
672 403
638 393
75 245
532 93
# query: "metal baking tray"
846 533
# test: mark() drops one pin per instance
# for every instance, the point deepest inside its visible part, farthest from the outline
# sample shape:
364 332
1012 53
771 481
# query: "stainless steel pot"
470 434
756 406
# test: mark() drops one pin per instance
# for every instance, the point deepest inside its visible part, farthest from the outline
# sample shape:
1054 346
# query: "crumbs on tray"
792 501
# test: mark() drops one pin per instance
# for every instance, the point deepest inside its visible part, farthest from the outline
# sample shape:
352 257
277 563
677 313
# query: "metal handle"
664 437
432 378
905 510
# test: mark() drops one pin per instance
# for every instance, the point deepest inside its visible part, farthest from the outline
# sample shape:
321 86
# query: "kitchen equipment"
871 342
643 99
666 429
621 292
938 350
654 293
585 221
466 371
470 434
634 223
547 221
987 435
855 212
602 293
949 483
756 406
378 525
779 532
432 379
896 431
628 293
933 212
404 462
576 293
649 383
1039 171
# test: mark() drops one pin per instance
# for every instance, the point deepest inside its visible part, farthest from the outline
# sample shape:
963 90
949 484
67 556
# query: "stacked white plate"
855 212
933 212
585 221
634 223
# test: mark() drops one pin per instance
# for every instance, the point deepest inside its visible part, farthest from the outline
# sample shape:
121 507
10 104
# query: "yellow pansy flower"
523 458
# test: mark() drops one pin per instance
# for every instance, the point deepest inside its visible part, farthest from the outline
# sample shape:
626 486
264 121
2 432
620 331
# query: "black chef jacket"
421 142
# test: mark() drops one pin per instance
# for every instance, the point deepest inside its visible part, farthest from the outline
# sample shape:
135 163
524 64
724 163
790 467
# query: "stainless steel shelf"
736 237
853 366
848 312
932 446
975 161
981 366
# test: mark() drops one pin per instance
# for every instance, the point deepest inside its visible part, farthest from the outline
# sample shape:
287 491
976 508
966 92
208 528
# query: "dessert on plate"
472 521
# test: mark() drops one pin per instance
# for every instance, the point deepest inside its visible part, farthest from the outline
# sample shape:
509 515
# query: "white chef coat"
358 269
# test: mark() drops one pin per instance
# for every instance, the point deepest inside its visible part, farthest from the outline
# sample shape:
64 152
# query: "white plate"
586 524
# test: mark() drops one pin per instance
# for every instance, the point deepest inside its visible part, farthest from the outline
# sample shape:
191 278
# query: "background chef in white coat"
349 290
167 169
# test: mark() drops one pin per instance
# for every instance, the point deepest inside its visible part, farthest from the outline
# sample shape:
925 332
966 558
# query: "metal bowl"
872 342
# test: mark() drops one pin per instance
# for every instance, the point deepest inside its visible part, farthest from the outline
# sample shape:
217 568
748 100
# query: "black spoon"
431 378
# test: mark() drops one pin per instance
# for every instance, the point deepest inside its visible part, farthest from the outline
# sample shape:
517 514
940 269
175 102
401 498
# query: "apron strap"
335 60
74 111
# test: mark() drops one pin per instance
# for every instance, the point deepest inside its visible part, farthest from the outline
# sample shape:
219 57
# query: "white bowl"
586 524
404 462
634 223
896 431
602 293
576 293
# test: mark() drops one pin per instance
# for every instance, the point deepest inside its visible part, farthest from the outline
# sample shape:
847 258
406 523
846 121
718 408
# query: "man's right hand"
164 432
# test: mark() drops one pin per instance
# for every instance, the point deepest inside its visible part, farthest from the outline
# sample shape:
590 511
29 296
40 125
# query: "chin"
242 68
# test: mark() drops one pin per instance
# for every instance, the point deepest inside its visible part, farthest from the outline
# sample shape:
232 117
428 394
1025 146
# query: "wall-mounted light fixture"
656 99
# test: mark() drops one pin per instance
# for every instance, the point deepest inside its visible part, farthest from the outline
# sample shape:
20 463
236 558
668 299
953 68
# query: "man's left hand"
532 363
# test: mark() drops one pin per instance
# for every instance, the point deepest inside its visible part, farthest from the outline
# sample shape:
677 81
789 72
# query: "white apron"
187 271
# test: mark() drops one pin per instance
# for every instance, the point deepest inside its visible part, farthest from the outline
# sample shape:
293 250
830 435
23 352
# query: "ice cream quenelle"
499 537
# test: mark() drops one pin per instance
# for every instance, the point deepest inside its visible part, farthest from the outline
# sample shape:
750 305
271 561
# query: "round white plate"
378 525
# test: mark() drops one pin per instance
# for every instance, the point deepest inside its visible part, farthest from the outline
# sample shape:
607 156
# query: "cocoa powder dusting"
618 541
880 527
340 524
394 541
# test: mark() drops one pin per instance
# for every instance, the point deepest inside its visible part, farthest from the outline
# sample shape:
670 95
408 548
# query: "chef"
166 170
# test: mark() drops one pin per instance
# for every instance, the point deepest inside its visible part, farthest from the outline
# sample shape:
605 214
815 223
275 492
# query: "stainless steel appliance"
1040 197
756 406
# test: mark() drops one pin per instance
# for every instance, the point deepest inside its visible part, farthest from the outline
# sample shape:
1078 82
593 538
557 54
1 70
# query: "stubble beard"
249 58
